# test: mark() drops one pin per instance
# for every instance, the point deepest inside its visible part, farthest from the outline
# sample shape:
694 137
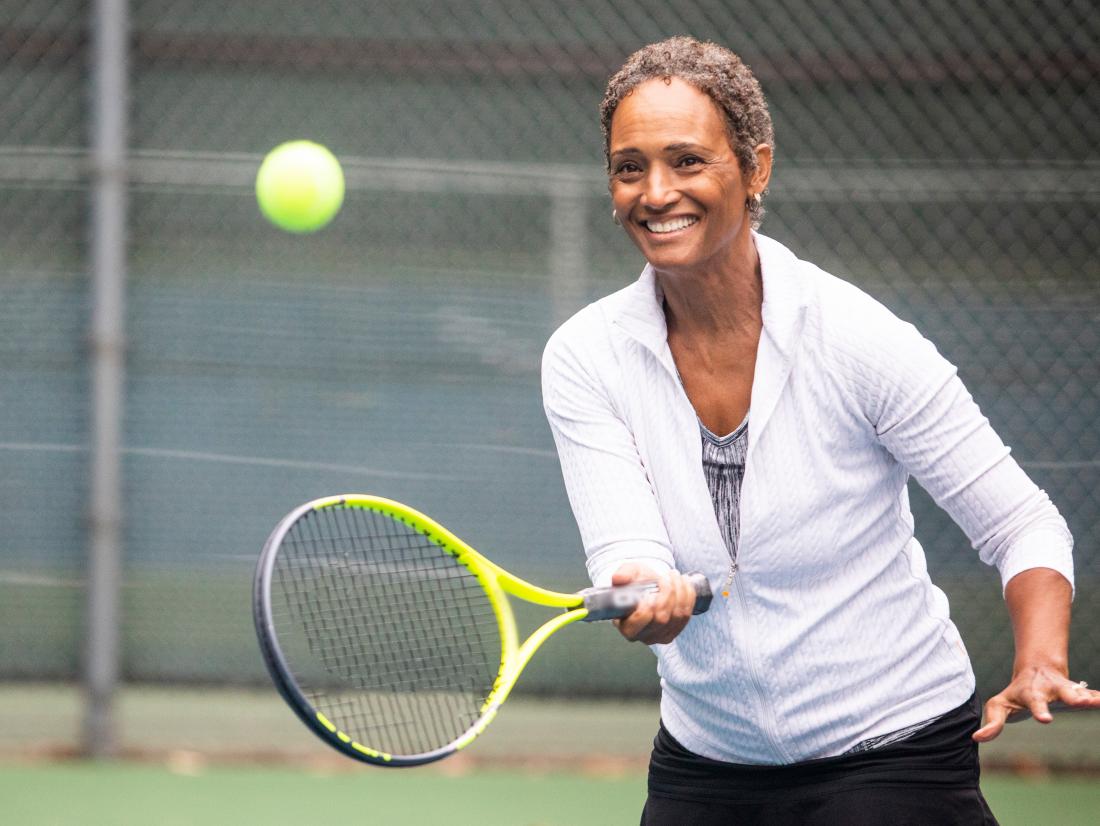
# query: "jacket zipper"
771 730
754 675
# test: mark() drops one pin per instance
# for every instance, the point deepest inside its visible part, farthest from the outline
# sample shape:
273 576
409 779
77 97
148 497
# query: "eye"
689 161
626 169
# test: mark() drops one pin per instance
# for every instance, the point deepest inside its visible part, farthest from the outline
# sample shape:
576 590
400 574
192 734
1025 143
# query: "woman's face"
675 181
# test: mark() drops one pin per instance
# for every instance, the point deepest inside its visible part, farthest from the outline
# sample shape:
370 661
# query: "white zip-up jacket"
833 632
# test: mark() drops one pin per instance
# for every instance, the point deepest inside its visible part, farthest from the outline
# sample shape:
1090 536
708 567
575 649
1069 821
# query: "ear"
758 179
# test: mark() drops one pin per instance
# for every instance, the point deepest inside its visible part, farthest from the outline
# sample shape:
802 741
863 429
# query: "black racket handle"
619 601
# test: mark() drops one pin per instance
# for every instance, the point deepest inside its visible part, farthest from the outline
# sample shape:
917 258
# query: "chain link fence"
943 156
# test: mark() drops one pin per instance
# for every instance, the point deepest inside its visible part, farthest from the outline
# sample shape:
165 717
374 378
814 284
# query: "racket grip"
619 601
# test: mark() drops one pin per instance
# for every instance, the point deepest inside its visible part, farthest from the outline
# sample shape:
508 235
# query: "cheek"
730 201
622 203
620 197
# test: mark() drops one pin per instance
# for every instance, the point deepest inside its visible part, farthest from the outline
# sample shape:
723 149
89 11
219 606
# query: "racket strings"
337 652
398 667
387 634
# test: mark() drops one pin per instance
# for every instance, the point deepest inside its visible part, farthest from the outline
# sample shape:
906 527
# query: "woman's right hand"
662 614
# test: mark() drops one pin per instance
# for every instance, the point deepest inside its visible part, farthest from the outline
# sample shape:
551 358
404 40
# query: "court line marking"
39 580
232 459
359 470
1070 465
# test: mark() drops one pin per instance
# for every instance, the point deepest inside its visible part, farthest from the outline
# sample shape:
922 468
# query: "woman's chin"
669 257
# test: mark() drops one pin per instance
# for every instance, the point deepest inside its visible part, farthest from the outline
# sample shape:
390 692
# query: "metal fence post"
107 226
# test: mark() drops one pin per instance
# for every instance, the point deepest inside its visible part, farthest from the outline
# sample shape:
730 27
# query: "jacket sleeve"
928 421
609 490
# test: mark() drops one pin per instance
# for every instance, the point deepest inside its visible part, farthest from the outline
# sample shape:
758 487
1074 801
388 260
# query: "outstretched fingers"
1040 701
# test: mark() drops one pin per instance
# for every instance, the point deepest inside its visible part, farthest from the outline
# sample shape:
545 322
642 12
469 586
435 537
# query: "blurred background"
175 373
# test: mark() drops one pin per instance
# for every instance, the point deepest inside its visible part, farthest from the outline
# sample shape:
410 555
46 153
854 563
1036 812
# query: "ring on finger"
1082 684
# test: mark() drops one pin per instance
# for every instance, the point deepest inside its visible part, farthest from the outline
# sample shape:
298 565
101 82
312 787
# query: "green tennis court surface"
135 795
219 756
254 725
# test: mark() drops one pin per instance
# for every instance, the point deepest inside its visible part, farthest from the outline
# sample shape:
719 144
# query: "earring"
615 218
752 201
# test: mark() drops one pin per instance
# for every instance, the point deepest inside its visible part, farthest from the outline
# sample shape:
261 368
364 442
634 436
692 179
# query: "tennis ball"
300 186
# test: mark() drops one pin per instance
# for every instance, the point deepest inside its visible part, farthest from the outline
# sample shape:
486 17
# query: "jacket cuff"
1039 549
602 566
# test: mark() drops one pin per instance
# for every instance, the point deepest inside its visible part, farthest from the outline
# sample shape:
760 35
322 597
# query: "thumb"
631 572
995 716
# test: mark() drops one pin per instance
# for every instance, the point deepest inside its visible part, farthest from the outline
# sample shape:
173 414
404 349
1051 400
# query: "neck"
724 299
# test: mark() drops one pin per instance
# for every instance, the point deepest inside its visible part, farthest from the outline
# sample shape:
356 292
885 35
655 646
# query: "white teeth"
670 226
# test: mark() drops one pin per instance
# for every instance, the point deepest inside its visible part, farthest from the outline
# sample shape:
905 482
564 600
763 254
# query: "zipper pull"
729 578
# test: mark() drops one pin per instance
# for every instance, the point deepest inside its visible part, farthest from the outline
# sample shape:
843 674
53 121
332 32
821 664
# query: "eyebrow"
672 147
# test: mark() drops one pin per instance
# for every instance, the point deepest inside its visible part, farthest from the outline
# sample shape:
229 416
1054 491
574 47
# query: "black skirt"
928 779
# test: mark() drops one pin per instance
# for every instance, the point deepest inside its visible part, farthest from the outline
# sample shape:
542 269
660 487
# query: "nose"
660 190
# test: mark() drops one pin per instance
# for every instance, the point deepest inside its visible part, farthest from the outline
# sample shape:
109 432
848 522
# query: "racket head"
385 633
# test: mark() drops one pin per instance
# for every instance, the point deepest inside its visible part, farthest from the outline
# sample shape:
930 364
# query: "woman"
740 412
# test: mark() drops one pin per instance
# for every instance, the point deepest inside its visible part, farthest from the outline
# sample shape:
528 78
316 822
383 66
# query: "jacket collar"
641 315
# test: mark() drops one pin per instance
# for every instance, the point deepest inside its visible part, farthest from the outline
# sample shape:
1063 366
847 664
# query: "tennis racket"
391 638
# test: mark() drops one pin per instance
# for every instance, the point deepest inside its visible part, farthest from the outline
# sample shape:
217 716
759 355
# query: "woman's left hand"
1032 690
1039 603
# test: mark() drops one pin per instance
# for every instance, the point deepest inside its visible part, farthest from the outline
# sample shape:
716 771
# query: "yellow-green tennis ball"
300 186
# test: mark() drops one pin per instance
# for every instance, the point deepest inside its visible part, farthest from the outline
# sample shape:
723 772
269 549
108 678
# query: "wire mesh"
943 156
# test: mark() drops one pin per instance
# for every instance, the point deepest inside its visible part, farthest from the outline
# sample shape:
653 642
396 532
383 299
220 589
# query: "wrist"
1039 664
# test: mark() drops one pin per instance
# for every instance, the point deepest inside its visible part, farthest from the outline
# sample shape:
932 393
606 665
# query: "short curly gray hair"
713 70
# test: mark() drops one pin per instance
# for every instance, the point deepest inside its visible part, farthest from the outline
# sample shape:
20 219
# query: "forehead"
660 110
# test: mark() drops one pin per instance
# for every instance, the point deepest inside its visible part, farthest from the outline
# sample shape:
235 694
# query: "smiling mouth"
671 225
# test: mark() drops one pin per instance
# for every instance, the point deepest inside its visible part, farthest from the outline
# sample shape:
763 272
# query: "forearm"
605 476
1038 602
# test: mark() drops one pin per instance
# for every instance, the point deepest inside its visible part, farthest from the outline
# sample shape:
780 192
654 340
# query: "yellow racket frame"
498 584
